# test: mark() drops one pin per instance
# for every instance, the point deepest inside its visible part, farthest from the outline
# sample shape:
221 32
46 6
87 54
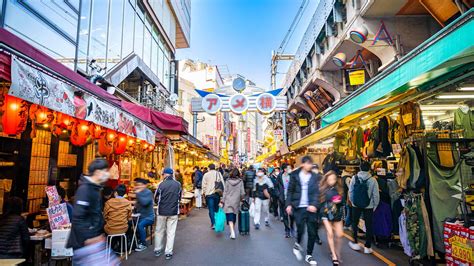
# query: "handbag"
218 185
266 193
220 221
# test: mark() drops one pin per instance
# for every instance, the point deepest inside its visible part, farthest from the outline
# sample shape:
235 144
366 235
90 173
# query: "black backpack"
361 193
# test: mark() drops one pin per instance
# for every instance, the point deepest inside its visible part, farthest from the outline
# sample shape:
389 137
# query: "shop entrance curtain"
426 62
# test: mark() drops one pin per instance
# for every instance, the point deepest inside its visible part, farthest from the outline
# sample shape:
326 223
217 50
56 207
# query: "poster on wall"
100 113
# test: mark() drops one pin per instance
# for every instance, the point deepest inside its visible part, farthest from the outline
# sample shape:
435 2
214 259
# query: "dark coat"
249 179
14 237
198 179
167 196
87 219
294 190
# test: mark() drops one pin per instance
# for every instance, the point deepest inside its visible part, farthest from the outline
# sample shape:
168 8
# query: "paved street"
196 244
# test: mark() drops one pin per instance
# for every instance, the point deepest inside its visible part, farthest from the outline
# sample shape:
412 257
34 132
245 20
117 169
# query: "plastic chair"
123 237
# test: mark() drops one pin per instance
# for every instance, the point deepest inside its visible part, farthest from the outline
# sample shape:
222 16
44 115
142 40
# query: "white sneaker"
368 250
310 260
297 252
354 246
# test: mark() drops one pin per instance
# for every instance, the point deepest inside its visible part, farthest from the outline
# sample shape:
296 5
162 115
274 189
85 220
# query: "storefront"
414 123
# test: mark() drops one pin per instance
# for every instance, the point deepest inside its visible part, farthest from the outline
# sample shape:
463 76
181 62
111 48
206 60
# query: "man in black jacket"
167 196
249 179
303 201
198 186
87 219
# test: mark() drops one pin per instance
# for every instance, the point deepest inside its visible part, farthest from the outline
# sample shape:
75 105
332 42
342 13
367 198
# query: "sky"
241 34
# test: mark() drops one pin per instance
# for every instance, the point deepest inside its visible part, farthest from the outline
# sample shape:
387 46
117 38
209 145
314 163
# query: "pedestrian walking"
234 193
167 196
144 207
210 182
283 183
303 202
249 178
275 192
331 213
261 193
364 195
198 186
86 235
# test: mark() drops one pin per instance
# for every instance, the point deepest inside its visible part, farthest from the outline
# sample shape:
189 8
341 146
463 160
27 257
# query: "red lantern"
61 123
151 148
105 148
80 133
120 145
40 114
111 136
15 115
99 132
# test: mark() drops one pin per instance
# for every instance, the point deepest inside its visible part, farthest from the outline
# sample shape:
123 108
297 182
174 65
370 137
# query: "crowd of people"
302 199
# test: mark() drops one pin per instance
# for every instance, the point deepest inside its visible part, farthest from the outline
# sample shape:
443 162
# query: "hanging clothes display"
410 119
415 168
445 151
382 144
382 221
404 169
444 185
464 119
417 225
402 220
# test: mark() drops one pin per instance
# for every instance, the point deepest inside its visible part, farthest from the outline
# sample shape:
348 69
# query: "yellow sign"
303 122
357 77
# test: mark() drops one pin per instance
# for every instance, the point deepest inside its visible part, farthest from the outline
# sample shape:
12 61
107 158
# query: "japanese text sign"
57 215
211 103
266 103
238 103
53 196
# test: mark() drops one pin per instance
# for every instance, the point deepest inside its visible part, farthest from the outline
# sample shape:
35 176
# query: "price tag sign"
53 195
58 217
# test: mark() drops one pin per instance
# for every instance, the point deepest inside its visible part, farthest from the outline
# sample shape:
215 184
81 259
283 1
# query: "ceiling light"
467 87
433 113
439 107
455 96
328 141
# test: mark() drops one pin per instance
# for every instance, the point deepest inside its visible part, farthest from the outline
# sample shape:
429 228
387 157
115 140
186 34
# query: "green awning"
447 50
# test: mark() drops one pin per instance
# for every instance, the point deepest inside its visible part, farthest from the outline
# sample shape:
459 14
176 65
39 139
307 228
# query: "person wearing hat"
167 196
144 206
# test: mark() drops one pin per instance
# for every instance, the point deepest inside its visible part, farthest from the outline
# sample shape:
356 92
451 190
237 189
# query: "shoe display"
140 248
297 251
368 250
310 260
354 246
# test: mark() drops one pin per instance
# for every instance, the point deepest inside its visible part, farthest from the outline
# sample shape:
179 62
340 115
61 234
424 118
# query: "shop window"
147 48
138 45
340 12
154 56
114 46
331 29
161 60
98 34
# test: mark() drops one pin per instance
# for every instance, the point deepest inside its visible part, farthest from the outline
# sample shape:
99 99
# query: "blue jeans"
144 222
212 203
347 221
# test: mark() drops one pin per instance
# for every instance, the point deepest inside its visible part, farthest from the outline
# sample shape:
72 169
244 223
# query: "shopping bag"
219 225
252 209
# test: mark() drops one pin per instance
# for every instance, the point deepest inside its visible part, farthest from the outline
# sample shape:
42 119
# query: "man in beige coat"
209 191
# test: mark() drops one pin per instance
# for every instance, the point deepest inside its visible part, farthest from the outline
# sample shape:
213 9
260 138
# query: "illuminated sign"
211 103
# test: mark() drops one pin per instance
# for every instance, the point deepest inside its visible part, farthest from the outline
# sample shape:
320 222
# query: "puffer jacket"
249 179
14 237
293 196
117 212
87 219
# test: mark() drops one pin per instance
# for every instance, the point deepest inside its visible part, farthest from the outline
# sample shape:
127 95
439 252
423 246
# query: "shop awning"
163 121
316 136
447 50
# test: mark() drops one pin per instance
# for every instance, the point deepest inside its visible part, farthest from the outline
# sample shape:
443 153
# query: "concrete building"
345 36
126 44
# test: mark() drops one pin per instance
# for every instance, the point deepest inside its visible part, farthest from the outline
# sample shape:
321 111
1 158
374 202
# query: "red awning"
38 56
163 121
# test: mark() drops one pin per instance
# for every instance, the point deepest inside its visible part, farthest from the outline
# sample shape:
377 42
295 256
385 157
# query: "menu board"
58 217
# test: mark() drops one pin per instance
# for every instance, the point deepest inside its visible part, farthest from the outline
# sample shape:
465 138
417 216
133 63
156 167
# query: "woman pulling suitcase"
234 192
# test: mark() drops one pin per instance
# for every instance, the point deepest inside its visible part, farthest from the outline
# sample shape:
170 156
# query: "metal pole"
283 121
195 123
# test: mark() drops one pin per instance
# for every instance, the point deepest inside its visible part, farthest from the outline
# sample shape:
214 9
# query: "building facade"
346 45
125 46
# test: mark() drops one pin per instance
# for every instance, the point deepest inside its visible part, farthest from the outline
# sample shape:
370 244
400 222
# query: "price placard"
58 217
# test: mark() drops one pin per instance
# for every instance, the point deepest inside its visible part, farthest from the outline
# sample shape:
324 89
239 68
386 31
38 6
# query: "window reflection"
115 33
128 29
98 33
83 35
147 48
138 46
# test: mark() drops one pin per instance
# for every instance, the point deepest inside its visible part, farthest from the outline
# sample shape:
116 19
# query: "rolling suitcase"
244 219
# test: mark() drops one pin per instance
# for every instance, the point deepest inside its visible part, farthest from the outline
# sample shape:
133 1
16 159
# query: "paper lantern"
339 60
61 123
359 34
151 148
121 144
15 115
111 136
105 148
40 114
99 132
80 133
